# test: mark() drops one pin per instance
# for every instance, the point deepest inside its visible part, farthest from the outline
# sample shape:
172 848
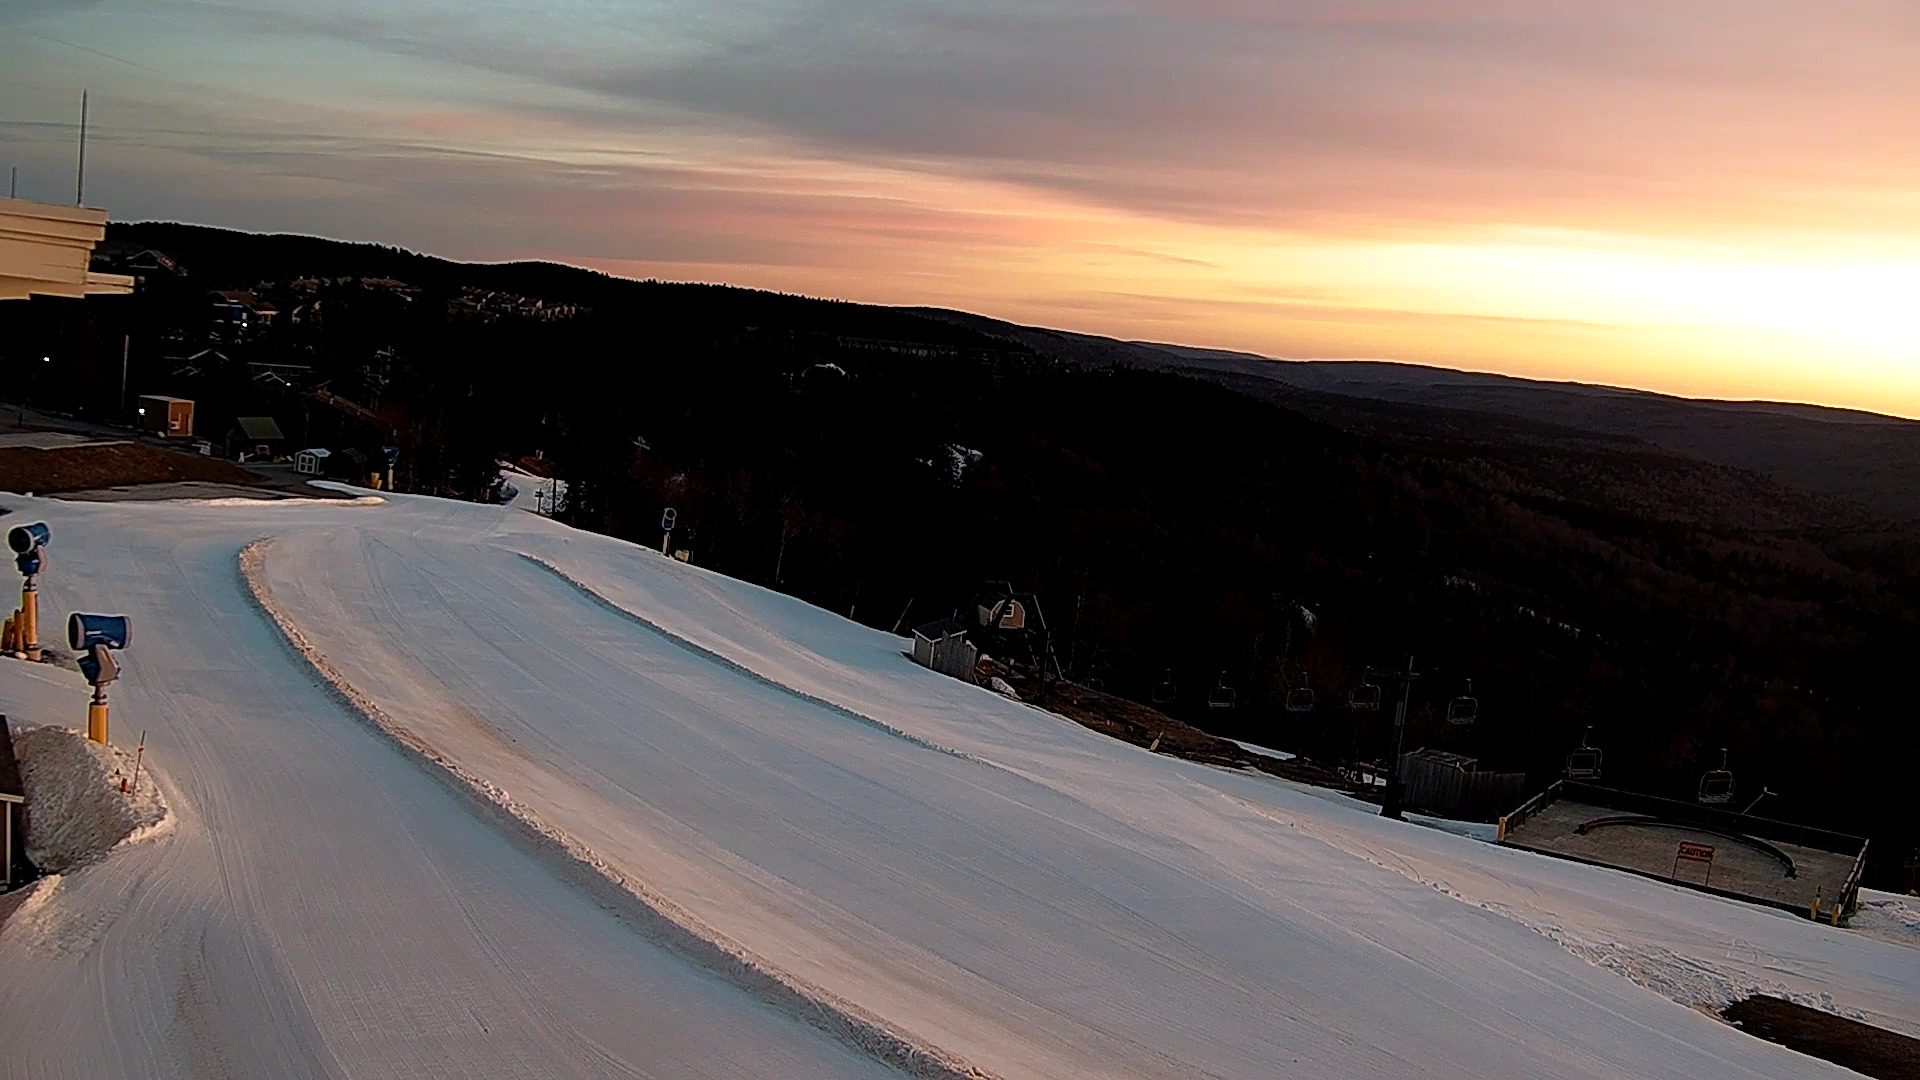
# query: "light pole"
1390 799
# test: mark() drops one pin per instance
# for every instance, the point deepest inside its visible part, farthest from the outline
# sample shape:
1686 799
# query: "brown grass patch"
101 465
1141 725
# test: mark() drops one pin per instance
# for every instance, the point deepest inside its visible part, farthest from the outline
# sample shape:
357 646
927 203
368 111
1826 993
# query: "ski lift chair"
1365 697
1584 763
1166 689
1093 680
1464 709
1222 696
1716 785
1300 700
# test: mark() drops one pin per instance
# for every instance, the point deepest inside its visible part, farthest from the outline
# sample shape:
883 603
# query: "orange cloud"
1711 198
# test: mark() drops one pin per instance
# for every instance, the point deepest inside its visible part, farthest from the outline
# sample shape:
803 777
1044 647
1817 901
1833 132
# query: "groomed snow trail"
1028 896
1697 949
324 906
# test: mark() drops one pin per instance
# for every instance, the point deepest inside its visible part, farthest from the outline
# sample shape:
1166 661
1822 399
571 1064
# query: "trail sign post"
1692 852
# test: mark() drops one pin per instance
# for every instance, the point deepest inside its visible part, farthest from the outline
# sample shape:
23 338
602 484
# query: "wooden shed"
169 416
943 646
255 438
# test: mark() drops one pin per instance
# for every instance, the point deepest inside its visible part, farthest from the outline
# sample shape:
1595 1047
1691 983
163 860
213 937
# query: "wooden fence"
1448 785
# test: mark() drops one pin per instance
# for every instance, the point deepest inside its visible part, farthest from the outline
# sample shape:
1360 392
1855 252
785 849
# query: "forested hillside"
883 463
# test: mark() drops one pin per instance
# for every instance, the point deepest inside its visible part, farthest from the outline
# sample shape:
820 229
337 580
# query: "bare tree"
795 523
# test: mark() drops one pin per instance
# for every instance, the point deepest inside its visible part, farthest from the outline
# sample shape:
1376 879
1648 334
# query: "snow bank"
76 813
738 668
237 500
1263 751
1889 917
1486 832
525 491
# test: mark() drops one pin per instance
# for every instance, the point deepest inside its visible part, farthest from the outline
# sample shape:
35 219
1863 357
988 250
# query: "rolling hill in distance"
1871 458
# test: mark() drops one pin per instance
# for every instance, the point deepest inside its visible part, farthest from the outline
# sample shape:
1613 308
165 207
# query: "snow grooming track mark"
1680 979
655 916
233 501
744 671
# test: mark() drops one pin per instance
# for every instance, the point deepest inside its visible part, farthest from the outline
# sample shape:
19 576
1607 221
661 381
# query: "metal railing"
1781 832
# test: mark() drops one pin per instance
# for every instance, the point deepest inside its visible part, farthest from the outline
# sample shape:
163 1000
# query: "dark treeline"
881 463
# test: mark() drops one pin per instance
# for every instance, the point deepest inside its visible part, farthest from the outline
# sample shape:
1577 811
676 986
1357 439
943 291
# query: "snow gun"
27 542
95 637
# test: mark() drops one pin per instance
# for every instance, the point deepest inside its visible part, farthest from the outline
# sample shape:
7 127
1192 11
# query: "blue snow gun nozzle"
94 637
24 539
26 542
86 631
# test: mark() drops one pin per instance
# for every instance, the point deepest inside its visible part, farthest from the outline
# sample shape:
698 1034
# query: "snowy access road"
1022 894
322 907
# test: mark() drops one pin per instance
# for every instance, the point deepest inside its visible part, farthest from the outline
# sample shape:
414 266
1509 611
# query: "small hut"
168 416
943 646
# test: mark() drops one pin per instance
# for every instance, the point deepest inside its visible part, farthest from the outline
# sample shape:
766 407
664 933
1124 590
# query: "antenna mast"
80 177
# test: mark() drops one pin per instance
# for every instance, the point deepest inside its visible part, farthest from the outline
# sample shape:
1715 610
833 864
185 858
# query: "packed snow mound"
525 491
1889 917
76 812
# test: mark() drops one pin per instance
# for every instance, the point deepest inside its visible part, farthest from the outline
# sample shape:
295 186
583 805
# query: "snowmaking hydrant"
95 637
28 542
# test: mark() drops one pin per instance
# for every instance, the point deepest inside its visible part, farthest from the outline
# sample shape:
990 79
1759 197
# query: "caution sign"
1695 852
1692 852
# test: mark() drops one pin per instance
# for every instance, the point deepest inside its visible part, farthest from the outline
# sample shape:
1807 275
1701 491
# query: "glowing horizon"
1717 202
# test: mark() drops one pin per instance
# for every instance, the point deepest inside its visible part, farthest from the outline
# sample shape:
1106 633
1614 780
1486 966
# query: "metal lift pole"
1390 800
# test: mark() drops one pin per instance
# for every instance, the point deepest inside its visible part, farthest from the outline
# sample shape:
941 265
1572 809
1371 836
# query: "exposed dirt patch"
1865 1049
103 465
198 490
1130 721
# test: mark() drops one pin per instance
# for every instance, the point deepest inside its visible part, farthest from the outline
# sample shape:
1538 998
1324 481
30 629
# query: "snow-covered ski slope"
633 818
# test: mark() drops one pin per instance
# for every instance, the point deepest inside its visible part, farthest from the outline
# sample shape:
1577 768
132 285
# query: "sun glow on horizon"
1669 210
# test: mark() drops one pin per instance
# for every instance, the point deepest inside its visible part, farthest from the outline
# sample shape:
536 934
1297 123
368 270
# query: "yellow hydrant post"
30 620
97 716
27 542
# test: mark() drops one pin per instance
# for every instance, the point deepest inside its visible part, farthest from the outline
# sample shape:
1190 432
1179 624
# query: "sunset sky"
1705 198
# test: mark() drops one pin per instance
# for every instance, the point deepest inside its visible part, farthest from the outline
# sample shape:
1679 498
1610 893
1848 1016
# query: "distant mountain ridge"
1867 457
